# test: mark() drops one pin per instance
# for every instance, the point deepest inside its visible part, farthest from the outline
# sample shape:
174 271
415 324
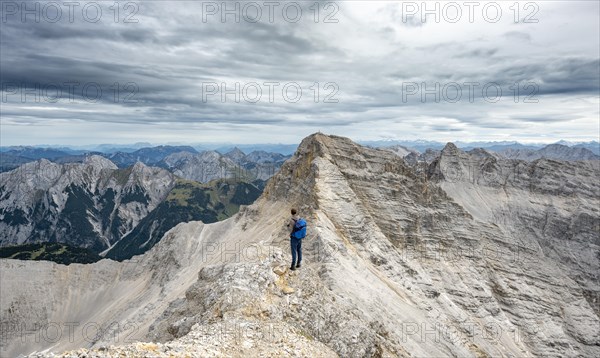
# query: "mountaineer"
298 232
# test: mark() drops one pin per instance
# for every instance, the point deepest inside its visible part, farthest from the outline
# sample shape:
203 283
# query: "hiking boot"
298 266
292 268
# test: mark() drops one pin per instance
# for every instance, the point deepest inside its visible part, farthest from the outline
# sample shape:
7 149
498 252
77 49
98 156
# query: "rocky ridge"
553 151
398 263
45 201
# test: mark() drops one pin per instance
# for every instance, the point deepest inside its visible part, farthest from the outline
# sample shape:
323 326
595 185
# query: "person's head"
294 212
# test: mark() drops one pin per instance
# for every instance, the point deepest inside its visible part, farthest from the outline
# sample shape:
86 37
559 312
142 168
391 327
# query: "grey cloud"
445 128
395 13
544 119
557 76
518 35
478 53
170 52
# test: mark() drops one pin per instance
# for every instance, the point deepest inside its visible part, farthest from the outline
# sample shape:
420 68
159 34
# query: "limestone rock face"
554 151
90 204
457 259
210 165
202 167
401 151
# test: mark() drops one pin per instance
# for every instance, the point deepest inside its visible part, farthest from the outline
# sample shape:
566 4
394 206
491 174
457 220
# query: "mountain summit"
497 259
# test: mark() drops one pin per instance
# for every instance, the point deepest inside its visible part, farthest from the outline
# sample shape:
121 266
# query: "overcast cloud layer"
368 59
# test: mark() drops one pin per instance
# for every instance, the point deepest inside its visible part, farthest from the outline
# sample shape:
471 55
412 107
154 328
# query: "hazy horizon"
143 143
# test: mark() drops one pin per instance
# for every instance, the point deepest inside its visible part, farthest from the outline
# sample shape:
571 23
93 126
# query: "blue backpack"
299 231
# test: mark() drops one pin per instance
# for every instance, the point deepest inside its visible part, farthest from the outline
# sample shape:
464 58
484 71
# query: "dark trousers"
296 245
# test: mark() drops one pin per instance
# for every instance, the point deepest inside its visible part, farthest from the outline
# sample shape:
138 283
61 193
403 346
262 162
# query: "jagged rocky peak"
139 167
322 145
416 159
401 150
89 204
209 155
141 170
261 156
31 166
295 180
452 164
317 154
43 162
236 155
481 153
156 181
451 149
171 159
99 162
395 265
553 151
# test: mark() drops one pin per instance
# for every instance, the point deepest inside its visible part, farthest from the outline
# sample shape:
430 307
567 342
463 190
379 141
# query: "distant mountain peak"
99 162
555 151
483 246
235 154
480 152
139 166
236 150
450 149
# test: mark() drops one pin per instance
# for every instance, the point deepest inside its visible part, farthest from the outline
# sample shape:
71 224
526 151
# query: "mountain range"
423 145
551 151
468 255
117 212
124 156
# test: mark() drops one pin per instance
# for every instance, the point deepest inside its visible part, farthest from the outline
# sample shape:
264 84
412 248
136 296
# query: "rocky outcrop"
236 155
545 206
202 167
426 157
186 201
90 204
211 165
397 264
401 150
553 151
150 156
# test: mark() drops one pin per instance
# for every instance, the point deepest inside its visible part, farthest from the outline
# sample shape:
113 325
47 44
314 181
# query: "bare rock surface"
90 204
398 263
554 151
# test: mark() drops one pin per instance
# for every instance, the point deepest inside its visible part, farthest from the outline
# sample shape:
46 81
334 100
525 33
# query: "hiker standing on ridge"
298 232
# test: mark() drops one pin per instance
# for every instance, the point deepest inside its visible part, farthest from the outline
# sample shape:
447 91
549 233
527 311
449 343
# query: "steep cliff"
397 263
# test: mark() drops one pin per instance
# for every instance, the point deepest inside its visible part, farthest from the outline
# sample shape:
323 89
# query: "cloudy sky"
184 71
